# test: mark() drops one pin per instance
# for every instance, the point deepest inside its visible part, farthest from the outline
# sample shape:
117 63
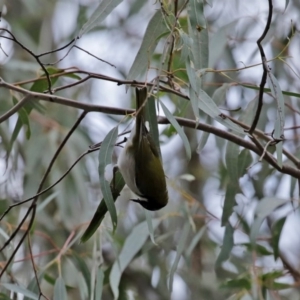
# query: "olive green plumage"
141 160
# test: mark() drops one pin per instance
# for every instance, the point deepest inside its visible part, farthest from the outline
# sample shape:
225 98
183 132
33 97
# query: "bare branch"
265 69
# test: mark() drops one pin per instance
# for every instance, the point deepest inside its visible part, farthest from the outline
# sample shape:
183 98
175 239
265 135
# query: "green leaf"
99 284
150 226
23 116
33 285
186 43
101 12
83 269
286 4
196 15
194 104
266 90
45 202
102 209
269 282
209 107
240 283
231 190
232 162
244 161
19 289
151 117
4 297
199 34
217 44
195 241
155 29
218 97
132 245
60 291
263 209
105 158
276 232
260 249
228 244
219 94
180 248
179 130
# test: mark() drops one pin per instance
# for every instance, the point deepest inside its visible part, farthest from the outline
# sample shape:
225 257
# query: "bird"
140 164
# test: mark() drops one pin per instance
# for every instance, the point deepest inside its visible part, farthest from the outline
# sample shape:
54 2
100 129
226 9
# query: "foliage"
224 109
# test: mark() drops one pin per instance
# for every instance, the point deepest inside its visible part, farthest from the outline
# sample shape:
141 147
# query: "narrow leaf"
180 249
228 244
199 34
105 158
229 203
154 30
60 291
99 284
151 117
195 241
231 158
19 289
179 130
194 104
82 267
276 232
150 225
102 208
101 12
244 161
132 245
263 209
33 285
208 106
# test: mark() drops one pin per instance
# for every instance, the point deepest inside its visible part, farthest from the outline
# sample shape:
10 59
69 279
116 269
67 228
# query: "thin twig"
33 204
265 70
36 57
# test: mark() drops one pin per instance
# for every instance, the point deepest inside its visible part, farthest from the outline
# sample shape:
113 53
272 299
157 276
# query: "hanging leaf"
99 284
19 289
60 291
276 233
180 248
105 158
116 186
132 245
199 33
101 12
155 29
228 244
265 207
179 130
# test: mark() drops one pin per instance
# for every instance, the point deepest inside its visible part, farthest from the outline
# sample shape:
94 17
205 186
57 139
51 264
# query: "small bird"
140 164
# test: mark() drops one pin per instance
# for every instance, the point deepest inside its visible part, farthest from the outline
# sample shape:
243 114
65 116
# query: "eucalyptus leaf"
228 244
101 211
20 290
155 29
179 130
180 248
105 158
276 233
60 291
99 284
132 245
264 208
100 13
